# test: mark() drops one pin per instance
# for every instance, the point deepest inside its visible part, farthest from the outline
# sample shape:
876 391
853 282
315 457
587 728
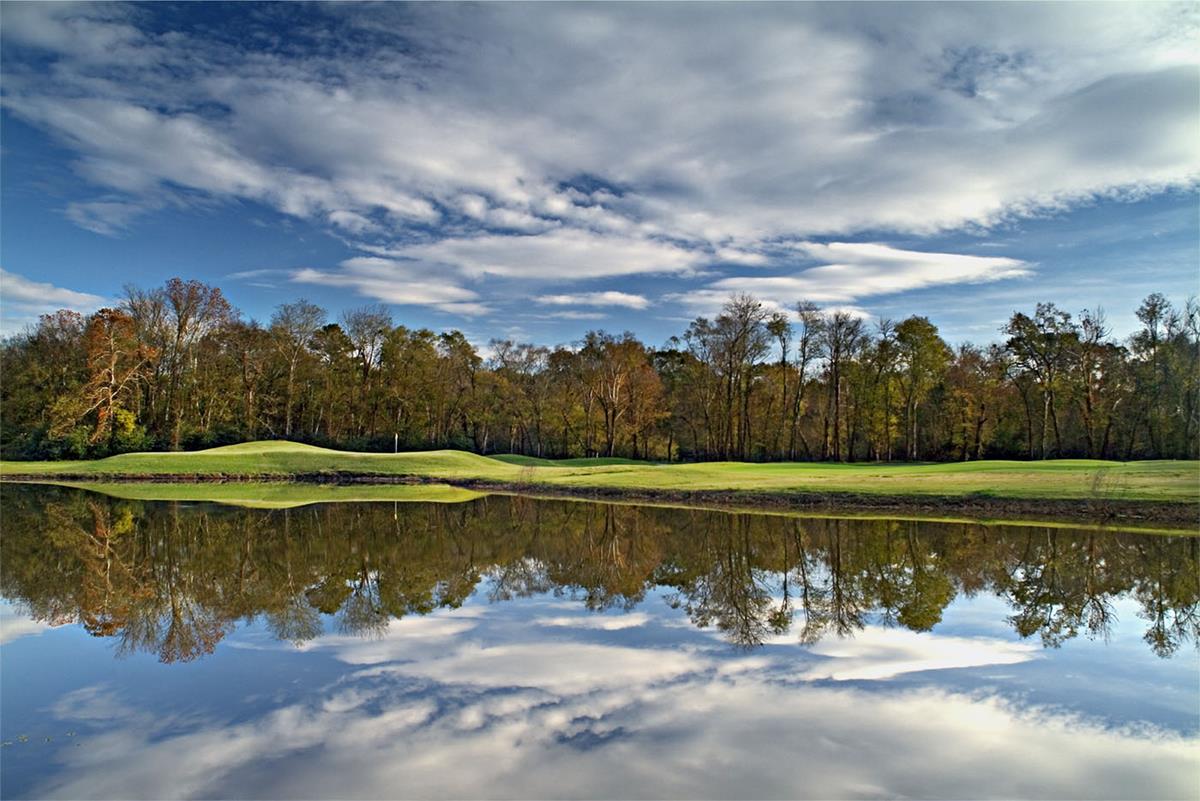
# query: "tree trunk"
1045 422
291 382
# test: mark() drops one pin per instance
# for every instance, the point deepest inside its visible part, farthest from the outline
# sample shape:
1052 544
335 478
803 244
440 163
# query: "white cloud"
98 34
480 209
105 217
247 275
465 309
19 289
402 283
352 222
621 141
22 300
853 271
561 255
575 315
609 298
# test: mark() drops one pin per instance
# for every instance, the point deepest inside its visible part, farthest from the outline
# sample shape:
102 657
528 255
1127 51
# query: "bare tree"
841 337
367 328
293 326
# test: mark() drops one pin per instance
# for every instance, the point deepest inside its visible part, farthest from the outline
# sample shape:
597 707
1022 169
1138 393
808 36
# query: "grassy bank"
1170 482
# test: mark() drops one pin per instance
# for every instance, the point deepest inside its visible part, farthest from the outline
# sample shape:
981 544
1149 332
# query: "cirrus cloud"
398 282
608 298
852 271
562 255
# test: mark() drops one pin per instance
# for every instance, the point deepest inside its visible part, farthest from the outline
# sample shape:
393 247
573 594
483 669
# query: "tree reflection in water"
174 578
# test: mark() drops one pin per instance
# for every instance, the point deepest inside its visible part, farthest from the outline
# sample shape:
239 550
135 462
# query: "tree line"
175 579
177 367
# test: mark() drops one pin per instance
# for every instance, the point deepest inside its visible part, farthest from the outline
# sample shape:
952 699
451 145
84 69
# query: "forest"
178 368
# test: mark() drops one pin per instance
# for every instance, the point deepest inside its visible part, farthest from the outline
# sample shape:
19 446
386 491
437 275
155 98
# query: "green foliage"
750 383
76 444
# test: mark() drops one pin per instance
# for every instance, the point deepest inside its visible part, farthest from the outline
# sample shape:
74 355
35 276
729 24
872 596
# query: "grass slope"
1082 479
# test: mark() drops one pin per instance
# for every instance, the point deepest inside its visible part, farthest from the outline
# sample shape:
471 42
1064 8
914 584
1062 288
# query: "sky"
534 171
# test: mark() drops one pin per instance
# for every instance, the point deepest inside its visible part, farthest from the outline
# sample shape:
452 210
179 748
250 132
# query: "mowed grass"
537 461
1080 479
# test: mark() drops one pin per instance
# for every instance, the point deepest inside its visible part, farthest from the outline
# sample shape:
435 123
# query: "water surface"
513 648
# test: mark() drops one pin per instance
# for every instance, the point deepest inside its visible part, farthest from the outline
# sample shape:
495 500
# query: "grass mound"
1076 479
273 458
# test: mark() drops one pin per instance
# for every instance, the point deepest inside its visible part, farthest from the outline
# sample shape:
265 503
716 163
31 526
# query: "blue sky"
535 171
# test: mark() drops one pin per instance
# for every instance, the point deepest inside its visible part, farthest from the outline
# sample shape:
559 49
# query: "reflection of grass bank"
294 494
946 512
1085 486
279 495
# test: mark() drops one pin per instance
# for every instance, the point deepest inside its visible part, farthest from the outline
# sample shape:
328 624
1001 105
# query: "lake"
507 647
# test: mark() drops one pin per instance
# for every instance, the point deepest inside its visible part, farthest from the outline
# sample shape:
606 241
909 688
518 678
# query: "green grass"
1060 479
1063 479
270 458
1081 479
537 461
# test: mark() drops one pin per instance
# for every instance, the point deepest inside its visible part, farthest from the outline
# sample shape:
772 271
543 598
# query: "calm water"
513 648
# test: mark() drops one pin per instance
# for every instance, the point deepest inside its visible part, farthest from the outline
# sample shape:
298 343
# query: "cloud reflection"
880 653
475 701
14 625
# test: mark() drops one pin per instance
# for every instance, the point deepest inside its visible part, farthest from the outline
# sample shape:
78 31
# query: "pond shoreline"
1091 510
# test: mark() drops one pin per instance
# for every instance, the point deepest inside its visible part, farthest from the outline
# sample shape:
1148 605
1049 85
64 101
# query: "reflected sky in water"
513 649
